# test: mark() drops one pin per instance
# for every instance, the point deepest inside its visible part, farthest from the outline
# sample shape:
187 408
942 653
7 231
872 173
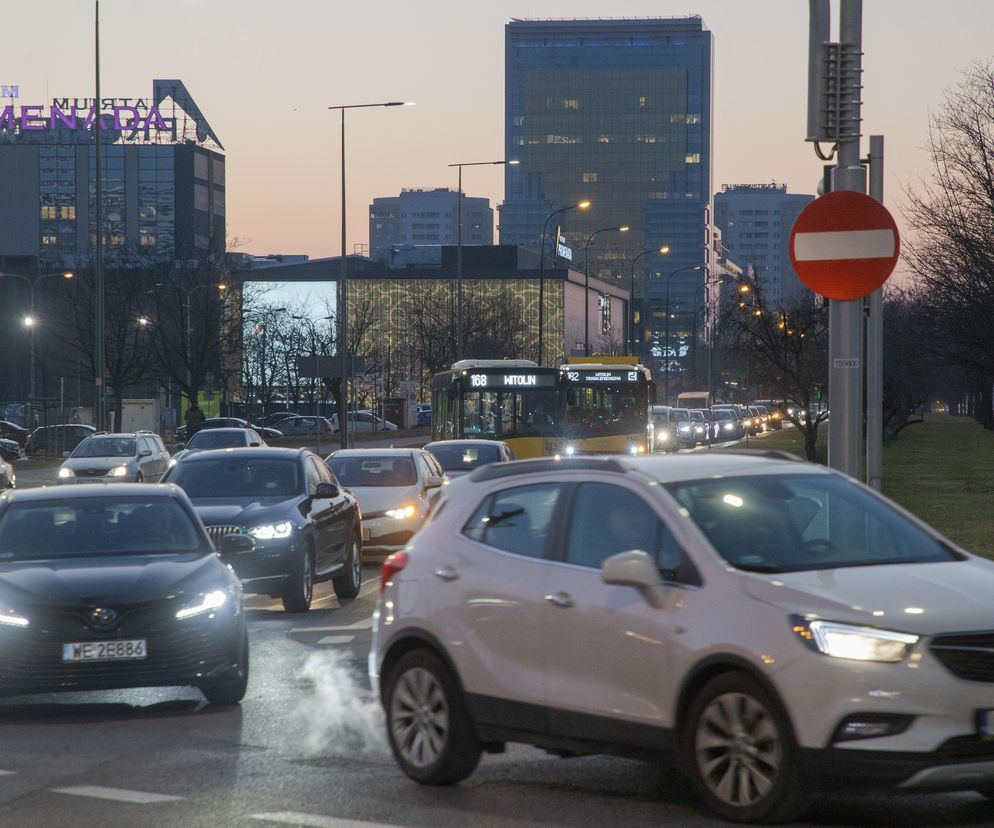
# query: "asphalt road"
306 748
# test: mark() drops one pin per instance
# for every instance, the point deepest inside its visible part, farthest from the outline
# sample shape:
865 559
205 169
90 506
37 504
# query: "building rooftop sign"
169 116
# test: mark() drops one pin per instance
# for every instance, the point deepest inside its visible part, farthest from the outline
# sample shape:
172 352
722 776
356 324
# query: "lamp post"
31 322
460 340
669 279
586 284
580 205
342 289
704 284
662 251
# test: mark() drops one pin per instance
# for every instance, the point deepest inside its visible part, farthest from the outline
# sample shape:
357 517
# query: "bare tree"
952 214
786 355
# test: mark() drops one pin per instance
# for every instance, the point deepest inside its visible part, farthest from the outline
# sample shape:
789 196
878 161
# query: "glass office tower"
617 112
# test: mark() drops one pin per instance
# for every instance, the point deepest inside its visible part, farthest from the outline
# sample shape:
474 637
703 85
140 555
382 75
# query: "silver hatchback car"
116 458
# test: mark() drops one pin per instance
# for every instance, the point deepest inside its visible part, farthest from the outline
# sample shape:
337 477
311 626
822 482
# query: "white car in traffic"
778 626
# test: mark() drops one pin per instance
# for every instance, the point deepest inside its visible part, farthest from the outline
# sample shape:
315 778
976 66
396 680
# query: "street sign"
844 245
327 367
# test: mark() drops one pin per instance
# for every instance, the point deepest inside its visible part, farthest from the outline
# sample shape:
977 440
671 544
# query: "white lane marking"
7 773
117 794
365 624
336 639
318 821
838 245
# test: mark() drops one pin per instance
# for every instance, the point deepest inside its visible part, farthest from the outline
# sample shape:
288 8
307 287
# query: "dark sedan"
12 431
305 528
9 450
115 587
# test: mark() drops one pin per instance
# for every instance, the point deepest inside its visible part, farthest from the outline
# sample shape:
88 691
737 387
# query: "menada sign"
61 113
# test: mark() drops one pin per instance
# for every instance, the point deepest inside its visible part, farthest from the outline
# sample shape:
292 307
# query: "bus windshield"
606 409
499 414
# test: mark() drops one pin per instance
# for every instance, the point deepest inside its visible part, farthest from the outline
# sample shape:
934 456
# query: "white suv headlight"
402 512
855 643
65 473
269 531
119 471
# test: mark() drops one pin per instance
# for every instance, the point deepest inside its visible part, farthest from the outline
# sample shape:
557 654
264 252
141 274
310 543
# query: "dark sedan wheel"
231 690
348 583
430 732
740 754
297 597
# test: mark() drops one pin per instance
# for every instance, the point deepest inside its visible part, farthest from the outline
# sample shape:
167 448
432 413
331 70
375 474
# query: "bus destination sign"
504 380
599 377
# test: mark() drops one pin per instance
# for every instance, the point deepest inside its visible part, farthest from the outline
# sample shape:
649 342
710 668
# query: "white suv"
781 627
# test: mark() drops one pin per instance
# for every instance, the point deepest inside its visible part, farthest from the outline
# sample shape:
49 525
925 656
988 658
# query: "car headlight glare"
119 471
208 602
856 643
402 513
570 451
65 473
270 531
9 617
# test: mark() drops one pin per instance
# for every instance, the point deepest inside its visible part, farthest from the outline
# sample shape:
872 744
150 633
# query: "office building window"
589 177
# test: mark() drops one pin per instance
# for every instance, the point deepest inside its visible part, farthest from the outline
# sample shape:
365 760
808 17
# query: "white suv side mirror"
636 569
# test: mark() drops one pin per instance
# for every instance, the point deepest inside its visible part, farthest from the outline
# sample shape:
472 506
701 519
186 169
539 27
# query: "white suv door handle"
446 573
560 599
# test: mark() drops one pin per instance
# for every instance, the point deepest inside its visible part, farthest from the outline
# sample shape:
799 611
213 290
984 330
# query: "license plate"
365 533
104 650
985 723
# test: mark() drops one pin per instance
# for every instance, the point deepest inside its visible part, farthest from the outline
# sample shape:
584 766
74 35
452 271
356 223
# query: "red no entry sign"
844 245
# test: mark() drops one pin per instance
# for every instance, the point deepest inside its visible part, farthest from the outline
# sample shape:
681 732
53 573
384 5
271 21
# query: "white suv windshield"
800 522
106 447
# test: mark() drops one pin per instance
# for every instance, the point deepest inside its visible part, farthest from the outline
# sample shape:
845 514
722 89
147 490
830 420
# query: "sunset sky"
264 73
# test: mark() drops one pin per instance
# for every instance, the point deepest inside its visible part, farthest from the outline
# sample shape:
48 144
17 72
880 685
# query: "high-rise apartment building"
755 222
617 112
427 217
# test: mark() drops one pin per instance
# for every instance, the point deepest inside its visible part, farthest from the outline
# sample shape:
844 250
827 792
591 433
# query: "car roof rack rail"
495 471
771 454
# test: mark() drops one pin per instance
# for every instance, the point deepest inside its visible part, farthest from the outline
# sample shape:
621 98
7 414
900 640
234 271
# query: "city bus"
608 401
514 400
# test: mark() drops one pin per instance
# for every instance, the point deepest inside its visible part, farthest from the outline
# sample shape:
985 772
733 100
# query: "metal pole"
586 296
845 426
98 351
189 347
459 334
631 309
875 343
31 341
666 350
541 287
343 416
317 386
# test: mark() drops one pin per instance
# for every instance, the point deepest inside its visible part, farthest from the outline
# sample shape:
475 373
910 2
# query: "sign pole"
875 343
845 325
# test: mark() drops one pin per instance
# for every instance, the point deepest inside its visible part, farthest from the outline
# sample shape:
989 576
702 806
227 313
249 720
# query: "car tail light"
391 566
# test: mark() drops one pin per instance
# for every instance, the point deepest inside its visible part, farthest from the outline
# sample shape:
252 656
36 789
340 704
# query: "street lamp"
580 205
669 279
342 291
586 284
317 376
460 343
31 322
704 284
662 251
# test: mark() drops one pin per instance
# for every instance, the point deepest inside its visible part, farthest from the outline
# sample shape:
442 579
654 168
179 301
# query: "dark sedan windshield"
106 447
465 458
96 526
784 523
374 471
237 477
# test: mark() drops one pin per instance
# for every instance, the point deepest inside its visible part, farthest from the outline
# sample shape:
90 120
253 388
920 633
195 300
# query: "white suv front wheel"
740 753
429 729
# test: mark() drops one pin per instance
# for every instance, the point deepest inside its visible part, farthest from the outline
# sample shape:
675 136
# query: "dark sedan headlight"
205 602
10 617
272 531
